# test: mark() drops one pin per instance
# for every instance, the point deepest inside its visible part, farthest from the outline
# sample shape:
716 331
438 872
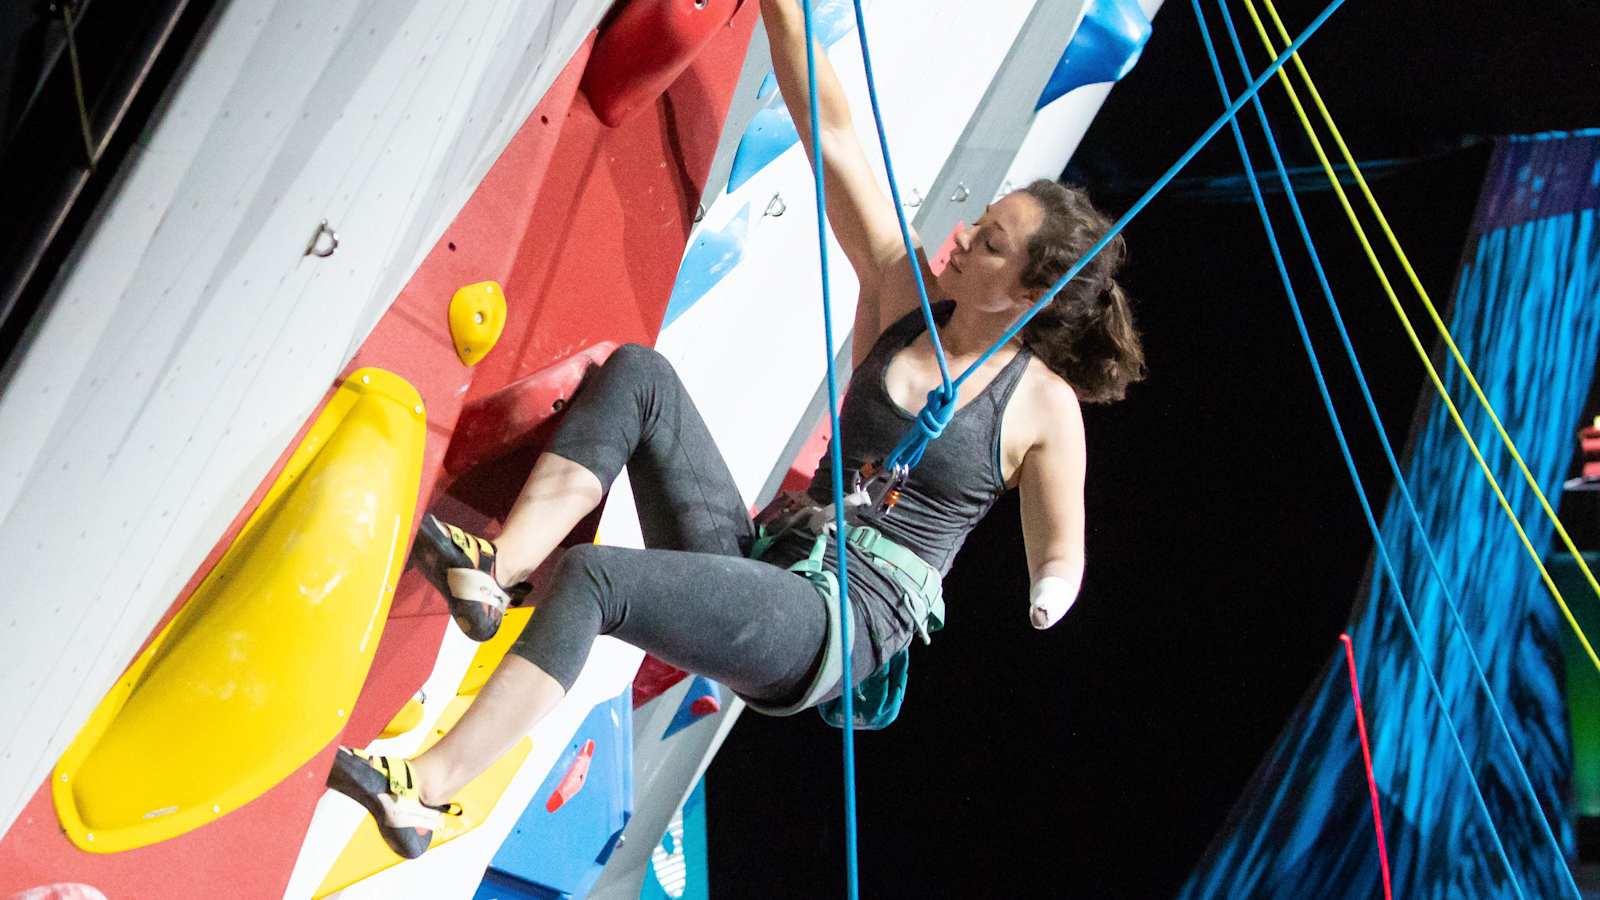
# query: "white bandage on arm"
1049 600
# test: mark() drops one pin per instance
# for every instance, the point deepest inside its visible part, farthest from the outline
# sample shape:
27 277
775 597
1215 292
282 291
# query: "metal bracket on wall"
316 247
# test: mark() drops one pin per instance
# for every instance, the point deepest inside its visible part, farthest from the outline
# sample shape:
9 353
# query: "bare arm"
863 218
1051 490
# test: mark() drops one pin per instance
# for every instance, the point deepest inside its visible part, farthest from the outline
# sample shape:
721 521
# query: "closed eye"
988 244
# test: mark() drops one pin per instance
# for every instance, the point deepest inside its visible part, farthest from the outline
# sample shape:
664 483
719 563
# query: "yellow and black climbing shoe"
461 565
386 786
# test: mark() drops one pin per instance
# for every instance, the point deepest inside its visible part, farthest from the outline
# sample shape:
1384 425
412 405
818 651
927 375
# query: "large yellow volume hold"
259 670
477 316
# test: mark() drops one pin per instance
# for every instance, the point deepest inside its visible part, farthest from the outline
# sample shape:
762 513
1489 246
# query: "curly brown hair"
1086 334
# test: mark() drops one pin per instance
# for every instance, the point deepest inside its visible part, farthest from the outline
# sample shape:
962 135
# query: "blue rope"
1394 464
836 462
899 210
1372 410
909 450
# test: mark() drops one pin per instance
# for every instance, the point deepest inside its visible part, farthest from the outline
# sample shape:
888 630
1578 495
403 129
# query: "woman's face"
986 265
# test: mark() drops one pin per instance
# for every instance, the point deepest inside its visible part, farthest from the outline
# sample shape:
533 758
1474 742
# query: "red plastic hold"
573 781
519 413
705 705
941 257
653 680
644 49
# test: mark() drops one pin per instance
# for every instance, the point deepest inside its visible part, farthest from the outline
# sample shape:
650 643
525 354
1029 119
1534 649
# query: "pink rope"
1366 756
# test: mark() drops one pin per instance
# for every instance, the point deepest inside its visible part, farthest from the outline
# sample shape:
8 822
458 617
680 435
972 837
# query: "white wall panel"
189 337
1059 128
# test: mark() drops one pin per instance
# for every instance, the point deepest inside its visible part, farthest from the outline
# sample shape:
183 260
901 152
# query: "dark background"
1225 545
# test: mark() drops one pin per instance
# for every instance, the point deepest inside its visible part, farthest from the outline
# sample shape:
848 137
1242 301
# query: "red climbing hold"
644 49
521 413
572 782
1589 439
705 705
653 680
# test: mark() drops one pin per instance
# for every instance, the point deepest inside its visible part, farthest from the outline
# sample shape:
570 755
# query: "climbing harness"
877 699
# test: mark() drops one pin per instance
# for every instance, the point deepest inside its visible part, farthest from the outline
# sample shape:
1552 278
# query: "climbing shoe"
386 786
461 565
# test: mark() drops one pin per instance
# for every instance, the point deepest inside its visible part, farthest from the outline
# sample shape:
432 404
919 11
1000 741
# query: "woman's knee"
579 567
643 373
569 615
581 579
637 357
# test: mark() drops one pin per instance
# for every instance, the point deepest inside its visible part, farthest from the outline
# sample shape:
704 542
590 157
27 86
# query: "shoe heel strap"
402 780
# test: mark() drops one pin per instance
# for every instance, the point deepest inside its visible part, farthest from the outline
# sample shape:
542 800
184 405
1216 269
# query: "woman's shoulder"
1048 399
1043 415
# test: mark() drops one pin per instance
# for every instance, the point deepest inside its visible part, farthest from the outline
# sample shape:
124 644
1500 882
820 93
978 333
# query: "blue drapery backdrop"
1526 315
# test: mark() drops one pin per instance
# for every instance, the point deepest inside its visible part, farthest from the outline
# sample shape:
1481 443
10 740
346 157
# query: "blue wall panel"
558 854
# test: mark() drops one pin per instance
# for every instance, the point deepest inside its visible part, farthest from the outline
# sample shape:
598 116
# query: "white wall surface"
189 337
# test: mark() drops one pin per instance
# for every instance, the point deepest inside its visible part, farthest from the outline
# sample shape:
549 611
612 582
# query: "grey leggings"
692 599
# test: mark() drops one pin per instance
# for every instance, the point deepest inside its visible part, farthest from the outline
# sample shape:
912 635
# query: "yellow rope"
1405 320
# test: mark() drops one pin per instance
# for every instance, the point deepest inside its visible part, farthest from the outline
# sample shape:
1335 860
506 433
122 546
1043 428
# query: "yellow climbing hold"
477 316
409 717
256 674
490 652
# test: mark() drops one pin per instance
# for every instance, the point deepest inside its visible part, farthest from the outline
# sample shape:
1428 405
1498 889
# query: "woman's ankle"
510 567
429 782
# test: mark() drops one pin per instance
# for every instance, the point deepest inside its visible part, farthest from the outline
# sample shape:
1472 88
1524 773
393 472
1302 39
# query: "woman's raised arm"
862 216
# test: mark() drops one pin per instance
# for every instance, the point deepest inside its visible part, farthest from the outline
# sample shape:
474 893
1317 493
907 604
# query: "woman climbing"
693 598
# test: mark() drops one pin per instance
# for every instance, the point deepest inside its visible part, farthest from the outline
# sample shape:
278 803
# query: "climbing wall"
313 196
548 222
191 336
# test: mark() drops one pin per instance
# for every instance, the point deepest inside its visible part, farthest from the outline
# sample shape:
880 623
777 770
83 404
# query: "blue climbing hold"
771 131
560 852
711 256
832 20
695 705
1107 44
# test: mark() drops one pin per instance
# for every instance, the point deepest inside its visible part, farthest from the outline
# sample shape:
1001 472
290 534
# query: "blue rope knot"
929 424
937 412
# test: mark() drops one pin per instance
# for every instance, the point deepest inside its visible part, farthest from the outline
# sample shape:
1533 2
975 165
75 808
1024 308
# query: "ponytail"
1087 333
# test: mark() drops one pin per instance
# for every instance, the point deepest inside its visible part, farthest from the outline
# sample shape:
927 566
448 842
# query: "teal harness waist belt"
921 591
921 585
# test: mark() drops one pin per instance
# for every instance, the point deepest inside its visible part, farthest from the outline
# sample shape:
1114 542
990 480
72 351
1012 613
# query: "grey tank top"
959 477
956 483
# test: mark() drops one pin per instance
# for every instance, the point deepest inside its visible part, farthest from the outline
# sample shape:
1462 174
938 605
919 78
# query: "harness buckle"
782 512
